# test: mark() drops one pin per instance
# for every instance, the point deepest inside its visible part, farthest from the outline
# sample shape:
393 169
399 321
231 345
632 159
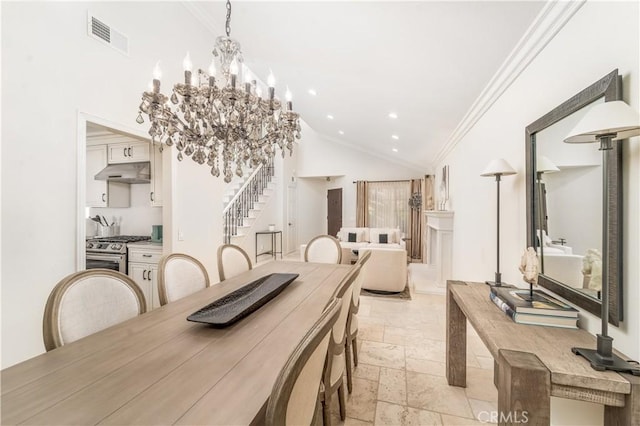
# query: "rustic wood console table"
532 363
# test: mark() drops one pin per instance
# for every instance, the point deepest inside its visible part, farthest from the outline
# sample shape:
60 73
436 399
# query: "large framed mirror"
564 203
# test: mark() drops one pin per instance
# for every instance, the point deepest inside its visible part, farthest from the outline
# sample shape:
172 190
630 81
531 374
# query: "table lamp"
498 168
605 123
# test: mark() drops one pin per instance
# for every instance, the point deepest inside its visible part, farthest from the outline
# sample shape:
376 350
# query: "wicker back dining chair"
179 275
294 397
352 321
323 249
334 367
89 301
232 260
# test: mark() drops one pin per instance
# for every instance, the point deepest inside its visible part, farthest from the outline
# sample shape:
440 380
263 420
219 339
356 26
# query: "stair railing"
238 208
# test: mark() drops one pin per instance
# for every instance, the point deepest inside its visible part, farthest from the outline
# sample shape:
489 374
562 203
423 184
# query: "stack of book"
543 309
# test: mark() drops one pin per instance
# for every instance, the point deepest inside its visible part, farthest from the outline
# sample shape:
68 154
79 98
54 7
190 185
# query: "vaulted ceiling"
425 61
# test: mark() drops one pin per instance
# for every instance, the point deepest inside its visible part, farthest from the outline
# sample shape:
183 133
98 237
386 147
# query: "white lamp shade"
615 117
498 167
544 165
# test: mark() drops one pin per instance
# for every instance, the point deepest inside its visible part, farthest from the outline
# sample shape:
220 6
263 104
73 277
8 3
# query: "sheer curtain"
388 205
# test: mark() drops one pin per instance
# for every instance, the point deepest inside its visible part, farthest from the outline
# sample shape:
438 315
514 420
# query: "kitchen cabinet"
143 269
155 194
100 193
128 152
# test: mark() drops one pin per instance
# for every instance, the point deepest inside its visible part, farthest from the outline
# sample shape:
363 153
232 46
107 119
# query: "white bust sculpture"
592 269
529 266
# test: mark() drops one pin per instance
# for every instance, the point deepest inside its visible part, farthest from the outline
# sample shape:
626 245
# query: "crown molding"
547 24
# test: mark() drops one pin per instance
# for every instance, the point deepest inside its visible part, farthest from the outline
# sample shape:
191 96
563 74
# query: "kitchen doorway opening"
86 124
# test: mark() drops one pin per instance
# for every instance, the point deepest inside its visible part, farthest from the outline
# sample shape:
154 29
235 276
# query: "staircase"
243 208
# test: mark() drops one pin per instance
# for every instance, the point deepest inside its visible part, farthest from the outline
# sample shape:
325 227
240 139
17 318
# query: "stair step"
248 222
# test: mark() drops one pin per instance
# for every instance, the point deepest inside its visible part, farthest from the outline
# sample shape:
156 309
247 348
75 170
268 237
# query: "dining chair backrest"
89 301
294 396
232 261
180 275
344 292
357 285
323 249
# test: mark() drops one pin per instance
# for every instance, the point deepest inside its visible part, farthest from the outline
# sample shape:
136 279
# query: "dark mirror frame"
609 87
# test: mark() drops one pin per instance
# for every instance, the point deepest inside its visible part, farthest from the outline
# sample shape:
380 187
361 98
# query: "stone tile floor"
400 378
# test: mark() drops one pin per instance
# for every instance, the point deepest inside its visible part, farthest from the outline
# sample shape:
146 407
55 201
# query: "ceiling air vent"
106 34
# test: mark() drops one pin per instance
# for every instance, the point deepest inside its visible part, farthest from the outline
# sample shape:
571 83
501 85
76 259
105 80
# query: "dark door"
334 211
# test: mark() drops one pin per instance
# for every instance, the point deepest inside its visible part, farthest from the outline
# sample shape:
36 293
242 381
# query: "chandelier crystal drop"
206 119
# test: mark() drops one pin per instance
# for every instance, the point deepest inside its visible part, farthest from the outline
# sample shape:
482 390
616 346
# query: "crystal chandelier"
206 119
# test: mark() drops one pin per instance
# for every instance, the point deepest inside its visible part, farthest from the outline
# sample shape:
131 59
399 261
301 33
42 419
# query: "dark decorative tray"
243 301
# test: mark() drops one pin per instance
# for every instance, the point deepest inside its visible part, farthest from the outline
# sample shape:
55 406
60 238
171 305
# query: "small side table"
274 245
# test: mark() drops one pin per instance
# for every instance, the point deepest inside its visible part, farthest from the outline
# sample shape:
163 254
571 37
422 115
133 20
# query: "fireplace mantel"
438 251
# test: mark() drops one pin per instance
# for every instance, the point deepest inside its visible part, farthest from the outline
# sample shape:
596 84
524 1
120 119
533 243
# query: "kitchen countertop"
144 245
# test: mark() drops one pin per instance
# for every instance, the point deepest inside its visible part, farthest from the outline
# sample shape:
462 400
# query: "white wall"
312 208
51 70
600 37
320 157
138 217
271 213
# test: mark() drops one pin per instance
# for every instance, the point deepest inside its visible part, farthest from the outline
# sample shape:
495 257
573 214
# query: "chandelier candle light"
209 120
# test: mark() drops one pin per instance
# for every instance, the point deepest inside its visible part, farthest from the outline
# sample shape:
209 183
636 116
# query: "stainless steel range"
110 252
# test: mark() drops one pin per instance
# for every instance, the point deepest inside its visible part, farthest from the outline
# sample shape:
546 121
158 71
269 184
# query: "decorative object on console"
529 269
542 303
534 319
498 168
605 123
232 121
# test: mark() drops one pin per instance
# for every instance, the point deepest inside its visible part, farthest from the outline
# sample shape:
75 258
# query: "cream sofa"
566 268
386 269
370 237
364 237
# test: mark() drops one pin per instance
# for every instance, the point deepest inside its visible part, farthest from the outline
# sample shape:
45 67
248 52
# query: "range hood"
126 173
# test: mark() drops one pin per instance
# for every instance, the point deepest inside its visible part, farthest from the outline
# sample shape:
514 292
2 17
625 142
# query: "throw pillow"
352 237
382 238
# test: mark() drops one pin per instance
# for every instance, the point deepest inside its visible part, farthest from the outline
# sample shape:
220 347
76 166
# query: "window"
389 205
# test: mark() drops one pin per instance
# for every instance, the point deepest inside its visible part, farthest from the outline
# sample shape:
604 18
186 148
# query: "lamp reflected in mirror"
543 165
606 123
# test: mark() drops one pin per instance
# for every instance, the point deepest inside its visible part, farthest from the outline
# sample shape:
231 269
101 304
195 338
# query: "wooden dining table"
159 368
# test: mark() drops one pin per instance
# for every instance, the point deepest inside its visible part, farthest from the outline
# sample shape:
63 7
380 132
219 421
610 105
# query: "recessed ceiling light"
395 150
341 132
312 92
330 117
396 137
393 115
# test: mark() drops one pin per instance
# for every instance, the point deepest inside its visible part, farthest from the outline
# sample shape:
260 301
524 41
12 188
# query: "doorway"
85 123
334 211
292 218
